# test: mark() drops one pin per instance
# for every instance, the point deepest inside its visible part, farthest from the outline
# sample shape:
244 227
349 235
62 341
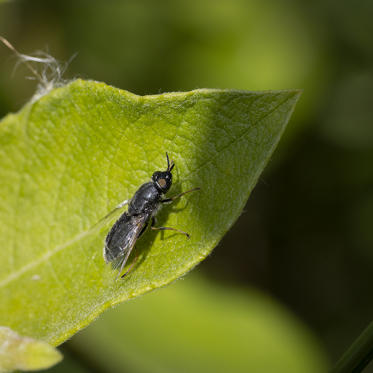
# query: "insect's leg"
107 216
143 230
124 261
168 229
171 199
131 266
125 202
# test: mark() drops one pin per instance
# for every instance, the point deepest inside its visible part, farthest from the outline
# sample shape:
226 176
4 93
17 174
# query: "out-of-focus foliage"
195 326
348 123
147 46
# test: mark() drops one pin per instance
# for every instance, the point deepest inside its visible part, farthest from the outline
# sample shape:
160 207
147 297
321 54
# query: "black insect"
142 208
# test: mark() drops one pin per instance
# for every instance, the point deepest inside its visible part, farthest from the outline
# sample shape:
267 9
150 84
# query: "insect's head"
163 179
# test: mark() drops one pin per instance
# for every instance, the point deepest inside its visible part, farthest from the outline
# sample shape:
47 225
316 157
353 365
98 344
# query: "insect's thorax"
146 199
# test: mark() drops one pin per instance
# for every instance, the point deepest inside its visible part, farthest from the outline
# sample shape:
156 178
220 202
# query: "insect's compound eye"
162 183
162 180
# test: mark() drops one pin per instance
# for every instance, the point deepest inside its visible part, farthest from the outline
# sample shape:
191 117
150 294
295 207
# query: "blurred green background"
287 290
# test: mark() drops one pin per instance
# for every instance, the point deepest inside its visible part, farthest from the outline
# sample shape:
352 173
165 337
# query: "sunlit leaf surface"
69 158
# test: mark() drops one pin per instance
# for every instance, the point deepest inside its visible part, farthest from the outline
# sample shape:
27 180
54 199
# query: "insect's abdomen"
145 199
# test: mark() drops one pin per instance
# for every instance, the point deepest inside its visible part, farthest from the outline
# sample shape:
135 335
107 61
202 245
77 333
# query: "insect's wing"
122 237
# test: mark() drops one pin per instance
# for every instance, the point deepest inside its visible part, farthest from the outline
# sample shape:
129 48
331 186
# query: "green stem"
358 356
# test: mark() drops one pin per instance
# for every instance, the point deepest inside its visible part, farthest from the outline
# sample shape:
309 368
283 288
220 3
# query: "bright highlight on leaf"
69 158
24 353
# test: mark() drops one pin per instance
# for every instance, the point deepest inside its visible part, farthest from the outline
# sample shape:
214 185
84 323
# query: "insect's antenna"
169 166
168 162
21 56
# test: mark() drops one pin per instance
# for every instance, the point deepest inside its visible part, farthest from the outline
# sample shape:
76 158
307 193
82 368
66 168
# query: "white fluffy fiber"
45 69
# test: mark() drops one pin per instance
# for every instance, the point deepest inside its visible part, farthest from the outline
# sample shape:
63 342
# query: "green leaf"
70 157
24 353
200 327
